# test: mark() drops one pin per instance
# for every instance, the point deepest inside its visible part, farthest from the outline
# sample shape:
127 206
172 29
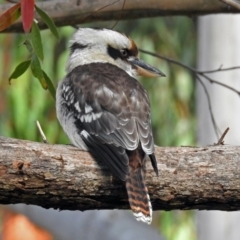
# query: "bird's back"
106 111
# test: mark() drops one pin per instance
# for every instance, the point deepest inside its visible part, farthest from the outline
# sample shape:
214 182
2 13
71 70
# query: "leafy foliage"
51 25
49 84
20 69
27 12
10 16
34 45
37 41
37 71
23 102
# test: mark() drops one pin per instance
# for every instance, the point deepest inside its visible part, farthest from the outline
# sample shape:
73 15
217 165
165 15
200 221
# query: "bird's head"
104 45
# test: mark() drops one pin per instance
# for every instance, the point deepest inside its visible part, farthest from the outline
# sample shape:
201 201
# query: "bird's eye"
124 52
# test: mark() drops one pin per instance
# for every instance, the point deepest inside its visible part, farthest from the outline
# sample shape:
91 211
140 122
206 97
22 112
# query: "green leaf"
28 46
19 70
37 70
51 88
37 41
48 21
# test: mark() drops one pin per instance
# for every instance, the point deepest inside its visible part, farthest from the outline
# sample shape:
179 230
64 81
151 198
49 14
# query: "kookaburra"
105 110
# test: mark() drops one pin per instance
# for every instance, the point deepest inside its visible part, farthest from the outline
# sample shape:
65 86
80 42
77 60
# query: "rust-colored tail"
138 196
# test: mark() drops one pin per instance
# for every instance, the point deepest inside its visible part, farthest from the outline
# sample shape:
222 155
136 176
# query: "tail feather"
138 196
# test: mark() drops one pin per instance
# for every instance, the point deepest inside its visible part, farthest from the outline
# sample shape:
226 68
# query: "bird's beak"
145 70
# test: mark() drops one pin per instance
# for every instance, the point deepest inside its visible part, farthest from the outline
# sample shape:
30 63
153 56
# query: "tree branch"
58 176
74 12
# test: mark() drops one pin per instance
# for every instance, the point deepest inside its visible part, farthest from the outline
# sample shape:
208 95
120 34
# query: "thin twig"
98 10
195 71
231 3
219 83
220 141
41 132
216 129
203 75
220 69
124 1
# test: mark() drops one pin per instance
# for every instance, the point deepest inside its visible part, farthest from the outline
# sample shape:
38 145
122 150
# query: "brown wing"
112 113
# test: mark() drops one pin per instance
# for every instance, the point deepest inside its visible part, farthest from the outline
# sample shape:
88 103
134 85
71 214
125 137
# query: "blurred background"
174 119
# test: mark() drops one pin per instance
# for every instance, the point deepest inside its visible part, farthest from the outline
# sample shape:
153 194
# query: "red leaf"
9 16
27 9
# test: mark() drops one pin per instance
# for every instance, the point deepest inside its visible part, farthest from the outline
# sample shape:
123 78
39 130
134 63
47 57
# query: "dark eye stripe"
115 53
77 46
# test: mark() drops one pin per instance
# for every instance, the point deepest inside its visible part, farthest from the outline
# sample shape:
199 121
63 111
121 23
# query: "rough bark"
60 176
74 12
